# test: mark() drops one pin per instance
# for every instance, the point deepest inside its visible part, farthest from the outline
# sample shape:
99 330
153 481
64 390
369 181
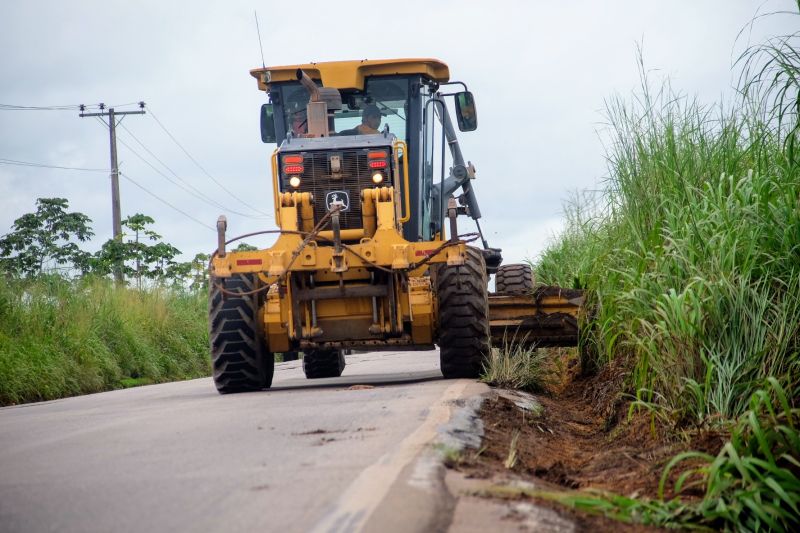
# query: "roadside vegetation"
67 328
690 256
62 337
515 366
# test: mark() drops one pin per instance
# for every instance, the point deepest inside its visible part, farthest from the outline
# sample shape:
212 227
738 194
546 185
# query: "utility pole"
115 204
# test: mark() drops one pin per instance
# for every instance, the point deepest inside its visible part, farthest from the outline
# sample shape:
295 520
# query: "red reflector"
289 159
293 169
377 164
424 253
245 262
376 155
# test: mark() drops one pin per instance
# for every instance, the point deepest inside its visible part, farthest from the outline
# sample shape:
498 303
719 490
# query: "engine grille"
356 175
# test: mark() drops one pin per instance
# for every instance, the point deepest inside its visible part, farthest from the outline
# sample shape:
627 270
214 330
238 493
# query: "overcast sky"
540 72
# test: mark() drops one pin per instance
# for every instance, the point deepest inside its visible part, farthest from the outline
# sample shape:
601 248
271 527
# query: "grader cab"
368 252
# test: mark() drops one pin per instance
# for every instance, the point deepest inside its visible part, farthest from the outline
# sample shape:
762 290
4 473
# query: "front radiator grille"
356 175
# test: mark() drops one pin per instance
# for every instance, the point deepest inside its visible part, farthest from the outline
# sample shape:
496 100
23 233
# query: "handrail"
407 192
275 187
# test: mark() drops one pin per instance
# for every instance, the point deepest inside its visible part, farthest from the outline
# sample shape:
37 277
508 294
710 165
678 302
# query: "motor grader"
368 253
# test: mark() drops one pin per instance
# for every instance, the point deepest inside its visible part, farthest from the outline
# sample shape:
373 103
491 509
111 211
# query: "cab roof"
351 74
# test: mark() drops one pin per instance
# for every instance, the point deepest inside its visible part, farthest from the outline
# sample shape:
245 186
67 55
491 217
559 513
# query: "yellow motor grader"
368 254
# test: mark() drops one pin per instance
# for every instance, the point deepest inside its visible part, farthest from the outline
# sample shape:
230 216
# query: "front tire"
239 355
291 356
319 364
463 299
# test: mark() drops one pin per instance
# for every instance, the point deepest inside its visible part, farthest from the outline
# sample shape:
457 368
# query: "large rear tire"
239 355
463 317
319 364
514 279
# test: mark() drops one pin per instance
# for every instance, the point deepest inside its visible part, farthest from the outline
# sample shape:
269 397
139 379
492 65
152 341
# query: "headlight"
377 178
294 181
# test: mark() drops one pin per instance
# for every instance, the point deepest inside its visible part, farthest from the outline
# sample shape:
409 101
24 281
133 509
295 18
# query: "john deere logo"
338 197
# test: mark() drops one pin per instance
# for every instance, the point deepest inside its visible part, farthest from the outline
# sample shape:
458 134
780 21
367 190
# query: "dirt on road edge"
578 438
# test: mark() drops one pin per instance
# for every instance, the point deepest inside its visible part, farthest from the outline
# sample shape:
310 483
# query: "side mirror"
465 111
267 124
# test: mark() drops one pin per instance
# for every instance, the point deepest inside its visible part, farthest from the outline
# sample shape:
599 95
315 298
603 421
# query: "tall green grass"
753 483
691 254
61 338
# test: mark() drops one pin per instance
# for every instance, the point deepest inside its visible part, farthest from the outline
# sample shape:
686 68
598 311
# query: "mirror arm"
464 85
458 159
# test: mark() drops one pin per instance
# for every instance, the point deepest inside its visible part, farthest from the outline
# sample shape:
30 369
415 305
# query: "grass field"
61 338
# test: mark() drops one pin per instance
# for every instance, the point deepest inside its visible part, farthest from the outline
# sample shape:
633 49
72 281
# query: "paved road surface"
324 455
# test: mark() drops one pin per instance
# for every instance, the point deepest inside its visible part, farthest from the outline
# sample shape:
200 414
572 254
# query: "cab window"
389 95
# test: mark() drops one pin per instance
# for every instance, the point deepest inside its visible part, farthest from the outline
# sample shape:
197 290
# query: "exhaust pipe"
322 103
310 86
317 109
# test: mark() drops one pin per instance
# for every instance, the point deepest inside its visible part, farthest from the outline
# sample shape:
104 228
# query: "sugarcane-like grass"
690 256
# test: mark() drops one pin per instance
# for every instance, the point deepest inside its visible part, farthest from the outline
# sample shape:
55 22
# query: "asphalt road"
344 454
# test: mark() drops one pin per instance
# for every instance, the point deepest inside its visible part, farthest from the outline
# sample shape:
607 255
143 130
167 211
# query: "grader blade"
546 317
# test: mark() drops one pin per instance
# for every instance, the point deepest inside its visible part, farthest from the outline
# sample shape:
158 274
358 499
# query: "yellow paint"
275 188
380 242
346 234
397 146
275 321
422 309
368 212
351 74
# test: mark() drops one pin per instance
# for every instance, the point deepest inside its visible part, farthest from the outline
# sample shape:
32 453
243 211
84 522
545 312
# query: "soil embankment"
578 438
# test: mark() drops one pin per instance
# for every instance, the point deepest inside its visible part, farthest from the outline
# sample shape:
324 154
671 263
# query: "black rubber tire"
291 356
319 364
239 355
514 279
463 333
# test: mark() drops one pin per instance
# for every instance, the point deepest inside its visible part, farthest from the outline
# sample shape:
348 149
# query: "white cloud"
540 72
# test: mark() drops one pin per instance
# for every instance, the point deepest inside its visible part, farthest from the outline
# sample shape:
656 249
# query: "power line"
197 193
70 107
30 164
199 196
11 107
212 178
43 165
184 213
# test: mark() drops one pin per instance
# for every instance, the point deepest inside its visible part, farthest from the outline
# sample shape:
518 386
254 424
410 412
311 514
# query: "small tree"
46 240
140 259
199 272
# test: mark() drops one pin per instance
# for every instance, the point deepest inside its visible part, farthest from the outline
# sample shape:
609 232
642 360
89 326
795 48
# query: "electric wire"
16 162
159 172
165 202
212 178
199 194
11 107
39 165
176 183
70 107
179 210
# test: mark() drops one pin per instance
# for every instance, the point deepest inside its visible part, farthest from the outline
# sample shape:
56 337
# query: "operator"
300 122
370 122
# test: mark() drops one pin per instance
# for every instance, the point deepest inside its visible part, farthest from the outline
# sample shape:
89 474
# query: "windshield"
383 102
